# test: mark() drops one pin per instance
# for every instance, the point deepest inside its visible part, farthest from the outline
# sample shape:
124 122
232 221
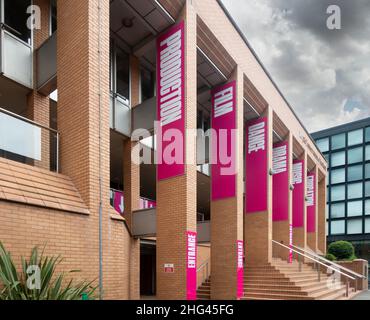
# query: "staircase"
280 280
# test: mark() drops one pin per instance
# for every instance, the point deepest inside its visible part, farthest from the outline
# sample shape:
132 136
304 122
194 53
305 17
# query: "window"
338 141
367 152
355 137
367 134
337 210
355 173
367 189
355 155
367 207
337 176
367 225
15 18
53 16
337 193
337 227
354 208
147 79
367 171
323 144
354 226
123 74
354 190
338 159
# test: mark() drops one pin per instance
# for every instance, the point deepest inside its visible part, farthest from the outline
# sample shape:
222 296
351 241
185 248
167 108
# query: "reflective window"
367 134
53 16
355 173
354 190
337 210
367 225
337 227
15 18
355 137
367 189
337 193
367 207
323 144
354 226
123 74
338 159
338 176
355 155
338 141
367 171
147 79
367 152
354 208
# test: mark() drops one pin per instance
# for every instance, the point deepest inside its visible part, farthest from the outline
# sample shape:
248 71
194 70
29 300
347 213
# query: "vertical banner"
311 202
280 181
240 269
171 102
256 159
291 243
223 141
298 194
191 265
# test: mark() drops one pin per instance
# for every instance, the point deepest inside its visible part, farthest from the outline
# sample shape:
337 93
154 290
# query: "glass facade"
347 151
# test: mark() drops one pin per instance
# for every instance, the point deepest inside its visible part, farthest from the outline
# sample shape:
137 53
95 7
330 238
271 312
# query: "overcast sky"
324 74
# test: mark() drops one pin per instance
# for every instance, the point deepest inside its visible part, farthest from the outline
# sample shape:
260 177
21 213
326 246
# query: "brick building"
75 96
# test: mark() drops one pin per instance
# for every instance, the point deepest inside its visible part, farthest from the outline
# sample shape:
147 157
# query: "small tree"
342 250
37 279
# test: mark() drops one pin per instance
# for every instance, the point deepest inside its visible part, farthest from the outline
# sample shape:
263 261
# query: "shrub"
342 250
14 286
330 257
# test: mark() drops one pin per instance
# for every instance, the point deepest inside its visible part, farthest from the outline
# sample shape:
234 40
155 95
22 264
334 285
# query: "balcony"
47 66
15 57
25 141
120 115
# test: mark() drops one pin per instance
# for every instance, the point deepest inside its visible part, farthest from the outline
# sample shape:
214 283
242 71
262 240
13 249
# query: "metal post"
57 152
347 287
319 272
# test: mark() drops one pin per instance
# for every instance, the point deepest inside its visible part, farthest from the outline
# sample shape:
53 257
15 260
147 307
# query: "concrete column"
227 218
322 215
38 106
258 225
312 237
281 229
176 196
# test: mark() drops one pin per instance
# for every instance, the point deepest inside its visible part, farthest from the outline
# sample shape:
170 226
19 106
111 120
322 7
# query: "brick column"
227 218
322 215
38 106
281 229
300 233
258 225
312 237
176 197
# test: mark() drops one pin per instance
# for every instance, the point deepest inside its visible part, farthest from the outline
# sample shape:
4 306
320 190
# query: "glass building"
347 150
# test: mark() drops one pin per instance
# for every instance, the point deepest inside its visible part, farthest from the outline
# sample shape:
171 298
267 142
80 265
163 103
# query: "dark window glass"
355 173
53 12
15 18
147 84
338 141
123 74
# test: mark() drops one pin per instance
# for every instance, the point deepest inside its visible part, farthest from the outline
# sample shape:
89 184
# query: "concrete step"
273 296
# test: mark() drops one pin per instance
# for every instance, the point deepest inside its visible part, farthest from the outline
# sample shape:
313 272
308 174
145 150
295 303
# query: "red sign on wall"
171 103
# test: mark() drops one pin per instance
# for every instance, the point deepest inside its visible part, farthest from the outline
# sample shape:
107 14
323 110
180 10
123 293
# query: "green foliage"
342 250
330 257
13 284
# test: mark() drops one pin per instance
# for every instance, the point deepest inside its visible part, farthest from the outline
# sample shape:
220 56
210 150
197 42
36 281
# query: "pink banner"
291 243
280 181
171 102
147 204
256 158
298 193
223 141
191 266
311 202
118 202
240 270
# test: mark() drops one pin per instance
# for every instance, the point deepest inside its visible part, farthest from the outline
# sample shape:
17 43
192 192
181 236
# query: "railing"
27 141
203 272
317 264
120 115
47 66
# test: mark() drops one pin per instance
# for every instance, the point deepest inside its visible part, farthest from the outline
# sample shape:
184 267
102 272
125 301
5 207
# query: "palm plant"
15 286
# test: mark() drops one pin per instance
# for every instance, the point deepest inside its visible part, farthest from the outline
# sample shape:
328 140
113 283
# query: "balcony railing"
15 57
120 115
26 141
117 201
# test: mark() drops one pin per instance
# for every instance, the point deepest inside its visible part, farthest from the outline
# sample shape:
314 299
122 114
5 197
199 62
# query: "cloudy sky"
324 74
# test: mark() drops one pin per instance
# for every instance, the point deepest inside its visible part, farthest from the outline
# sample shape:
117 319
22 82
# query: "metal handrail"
318 263
330 262
203 266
